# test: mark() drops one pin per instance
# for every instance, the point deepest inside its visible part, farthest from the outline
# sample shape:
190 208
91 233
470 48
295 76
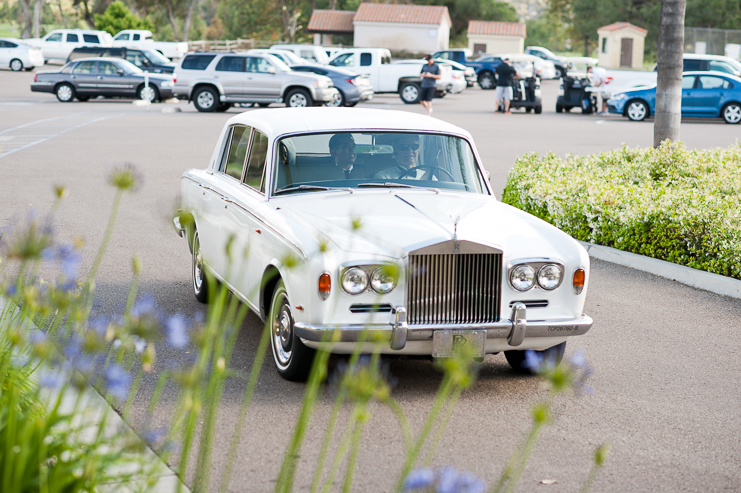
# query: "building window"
604 45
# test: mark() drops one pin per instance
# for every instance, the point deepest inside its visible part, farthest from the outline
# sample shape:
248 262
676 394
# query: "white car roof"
279 121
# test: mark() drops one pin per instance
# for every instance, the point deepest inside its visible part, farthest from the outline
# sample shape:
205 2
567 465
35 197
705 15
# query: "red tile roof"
331 22
496 28
620 25
407 14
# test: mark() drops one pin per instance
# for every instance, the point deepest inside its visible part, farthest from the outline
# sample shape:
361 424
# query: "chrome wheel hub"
732 114
197 267
298 100
64 93
410 93
16 65
206 100
147 94
637 111
283 334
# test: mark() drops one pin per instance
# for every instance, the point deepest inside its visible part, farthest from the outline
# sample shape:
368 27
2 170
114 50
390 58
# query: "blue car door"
711 92
689 96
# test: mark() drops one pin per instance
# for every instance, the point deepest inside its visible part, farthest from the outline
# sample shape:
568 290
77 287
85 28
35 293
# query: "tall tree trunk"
188 15
27 18
88 15
173 21
37 10
669 82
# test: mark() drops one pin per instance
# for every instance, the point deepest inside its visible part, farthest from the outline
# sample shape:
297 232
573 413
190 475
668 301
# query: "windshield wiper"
396 185
311 187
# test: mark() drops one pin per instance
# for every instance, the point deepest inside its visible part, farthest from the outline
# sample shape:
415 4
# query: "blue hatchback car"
704 94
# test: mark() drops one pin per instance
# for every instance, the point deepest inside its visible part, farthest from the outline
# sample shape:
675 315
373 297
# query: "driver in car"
406 152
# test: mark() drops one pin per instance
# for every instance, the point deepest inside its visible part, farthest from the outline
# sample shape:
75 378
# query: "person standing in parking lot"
429 74
599 76
505 81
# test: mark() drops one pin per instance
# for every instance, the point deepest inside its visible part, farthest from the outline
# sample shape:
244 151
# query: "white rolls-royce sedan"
350 222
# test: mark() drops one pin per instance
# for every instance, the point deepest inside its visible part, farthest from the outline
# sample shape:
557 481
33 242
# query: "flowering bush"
670 203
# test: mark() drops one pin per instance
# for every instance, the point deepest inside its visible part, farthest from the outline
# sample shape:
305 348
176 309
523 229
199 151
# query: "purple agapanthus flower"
145 304
447 481
421 478
533 360
578 359
177 331
52 379
118 381
69 260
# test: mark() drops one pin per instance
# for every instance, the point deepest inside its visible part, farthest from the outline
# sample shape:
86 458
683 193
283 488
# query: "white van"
312 53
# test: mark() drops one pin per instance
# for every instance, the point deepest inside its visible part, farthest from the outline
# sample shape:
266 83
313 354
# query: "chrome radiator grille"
454 288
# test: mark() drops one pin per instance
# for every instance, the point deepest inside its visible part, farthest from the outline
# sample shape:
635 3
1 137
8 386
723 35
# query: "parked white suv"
311 53
58 44
214 81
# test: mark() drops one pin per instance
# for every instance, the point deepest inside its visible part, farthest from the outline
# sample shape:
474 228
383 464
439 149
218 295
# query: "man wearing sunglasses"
406 152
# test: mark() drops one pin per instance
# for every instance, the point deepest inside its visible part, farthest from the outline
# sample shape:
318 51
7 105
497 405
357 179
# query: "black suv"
149 60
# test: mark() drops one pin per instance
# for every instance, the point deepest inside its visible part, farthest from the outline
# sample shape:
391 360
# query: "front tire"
410 93
293 359
559 108
538 109
65 93
486 81
517 359
559 73
299 98
200 280
206 99
732 113
148 93
16 65
636 110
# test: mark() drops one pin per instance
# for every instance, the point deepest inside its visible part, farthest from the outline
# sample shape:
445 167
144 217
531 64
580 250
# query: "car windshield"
292 57
156 58
350 160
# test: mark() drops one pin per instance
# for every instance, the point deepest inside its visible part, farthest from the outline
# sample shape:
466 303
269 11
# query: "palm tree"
669 84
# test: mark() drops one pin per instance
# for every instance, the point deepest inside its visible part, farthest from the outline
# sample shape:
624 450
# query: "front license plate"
445 342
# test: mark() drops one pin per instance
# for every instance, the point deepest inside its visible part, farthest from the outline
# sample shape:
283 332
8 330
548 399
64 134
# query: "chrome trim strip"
498 330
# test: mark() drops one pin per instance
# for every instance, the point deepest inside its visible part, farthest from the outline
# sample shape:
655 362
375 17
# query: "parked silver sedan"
109 77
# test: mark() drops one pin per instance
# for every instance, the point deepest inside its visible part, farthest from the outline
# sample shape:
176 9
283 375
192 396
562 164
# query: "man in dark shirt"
505 81
429 74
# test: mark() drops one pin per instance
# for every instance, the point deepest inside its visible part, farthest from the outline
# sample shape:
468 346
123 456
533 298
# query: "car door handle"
73 77
100 77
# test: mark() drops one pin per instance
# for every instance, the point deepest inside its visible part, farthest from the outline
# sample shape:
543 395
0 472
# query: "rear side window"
8 44
365 59
72 38
197 62
136 37
86 67
256 165
231 64
688 82
91 38
690 65
710 82
235 155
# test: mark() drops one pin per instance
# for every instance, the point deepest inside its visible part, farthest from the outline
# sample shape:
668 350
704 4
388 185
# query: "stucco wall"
396 36
611 59
497 44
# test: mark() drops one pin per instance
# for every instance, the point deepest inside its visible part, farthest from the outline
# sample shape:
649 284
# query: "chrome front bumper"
515 330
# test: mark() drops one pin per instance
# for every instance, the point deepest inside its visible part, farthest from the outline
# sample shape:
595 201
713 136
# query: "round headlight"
522 277
354 280
550 276
382 280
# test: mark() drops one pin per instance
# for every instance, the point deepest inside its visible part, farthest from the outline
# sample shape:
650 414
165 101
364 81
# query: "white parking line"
42 121
48 137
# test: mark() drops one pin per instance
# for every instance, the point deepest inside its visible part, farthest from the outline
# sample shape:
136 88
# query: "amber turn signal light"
579 277
325 286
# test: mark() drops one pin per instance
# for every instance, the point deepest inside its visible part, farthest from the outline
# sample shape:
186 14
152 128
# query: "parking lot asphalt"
666 356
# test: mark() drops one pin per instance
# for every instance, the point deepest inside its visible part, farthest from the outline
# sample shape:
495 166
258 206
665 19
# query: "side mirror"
120 71
271 70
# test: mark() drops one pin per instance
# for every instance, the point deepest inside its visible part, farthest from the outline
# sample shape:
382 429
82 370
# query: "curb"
715 283
92 412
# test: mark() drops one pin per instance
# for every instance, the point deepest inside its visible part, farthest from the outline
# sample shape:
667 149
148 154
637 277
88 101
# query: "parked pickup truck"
58 44
484 66
387 77
142 39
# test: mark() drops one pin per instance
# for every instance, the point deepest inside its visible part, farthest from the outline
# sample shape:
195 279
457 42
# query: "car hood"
394 223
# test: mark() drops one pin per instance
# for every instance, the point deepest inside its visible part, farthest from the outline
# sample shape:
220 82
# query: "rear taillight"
351 81
36 78
174 78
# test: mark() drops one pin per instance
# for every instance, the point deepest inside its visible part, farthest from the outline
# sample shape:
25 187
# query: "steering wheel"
430 167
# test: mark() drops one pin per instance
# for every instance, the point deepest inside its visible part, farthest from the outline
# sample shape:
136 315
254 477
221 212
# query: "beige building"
496 37
621 46
415 28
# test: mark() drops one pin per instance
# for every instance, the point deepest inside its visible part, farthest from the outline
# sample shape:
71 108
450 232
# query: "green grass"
9 31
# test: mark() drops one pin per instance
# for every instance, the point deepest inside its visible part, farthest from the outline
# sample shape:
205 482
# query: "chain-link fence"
707 41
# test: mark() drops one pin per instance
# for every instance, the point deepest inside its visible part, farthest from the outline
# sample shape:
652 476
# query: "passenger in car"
342 150
406 152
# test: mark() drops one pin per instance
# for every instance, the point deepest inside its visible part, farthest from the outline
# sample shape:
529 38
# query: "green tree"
118 17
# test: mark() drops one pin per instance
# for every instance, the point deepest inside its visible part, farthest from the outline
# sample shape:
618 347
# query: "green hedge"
670 203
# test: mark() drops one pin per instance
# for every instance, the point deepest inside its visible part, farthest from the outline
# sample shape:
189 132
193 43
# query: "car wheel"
65 93
148 93
538 110
16 65
292 357
637 110
337 102
206 99
518 359
410 93
559 73
559 108
200 281
299 98
486 80
732 113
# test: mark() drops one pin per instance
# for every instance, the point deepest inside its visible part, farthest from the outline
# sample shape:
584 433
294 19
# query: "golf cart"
576 86
526 91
